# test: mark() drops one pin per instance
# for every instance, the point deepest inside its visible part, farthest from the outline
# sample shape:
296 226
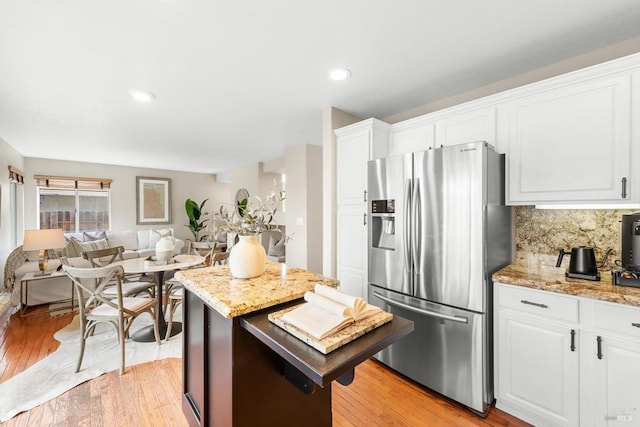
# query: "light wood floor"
150 394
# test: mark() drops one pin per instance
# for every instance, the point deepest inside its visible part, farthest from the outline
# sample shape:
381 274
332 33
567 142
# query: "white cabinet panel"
478 125
352 250
537 369
351 167
417 137
571 143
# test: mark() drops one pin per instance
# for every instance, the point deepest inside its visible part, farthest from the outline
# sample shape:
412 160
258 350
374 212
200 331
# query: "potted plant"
194 212
250 217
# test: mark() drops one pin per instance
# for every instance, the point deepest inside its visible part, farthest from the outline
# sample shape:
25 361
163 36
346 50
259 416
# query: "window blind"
72 183
16 176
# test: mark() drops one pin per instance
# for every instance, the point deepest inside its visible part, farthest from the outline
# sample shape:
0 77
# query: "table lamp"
42 241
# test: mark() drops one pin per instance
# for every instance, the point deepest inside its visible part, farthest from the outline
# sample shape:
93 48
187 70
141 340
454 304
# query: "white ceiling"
238 81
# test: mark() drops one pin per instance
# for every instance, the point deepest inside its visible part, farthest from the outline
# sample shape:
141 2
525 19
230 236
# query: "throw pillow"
70 250
156 235
93 246
90 236
276 247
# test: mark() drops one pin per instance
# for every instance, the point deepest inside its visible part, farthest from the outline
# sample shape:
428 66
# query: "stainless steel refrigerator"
438 229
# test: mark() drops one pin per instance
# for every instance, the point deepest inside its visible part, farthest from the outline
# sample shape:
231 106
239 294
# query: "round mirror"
241 200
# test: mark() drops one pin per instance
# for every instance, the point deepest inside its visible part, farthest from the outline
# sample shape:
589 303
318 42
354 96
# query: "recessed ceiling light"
142 95
340 74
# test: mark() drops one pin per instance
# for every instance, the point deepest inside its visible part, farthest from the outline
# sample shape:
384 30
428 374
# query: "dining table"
158 268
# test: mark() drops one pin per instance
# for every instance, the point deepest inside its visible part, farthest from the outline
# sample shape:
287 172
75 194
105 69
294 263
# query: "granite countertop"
553 279
234 297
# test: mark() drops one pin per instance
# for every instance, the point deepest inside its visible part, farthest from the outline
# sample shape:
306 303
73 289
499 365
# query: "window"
74 204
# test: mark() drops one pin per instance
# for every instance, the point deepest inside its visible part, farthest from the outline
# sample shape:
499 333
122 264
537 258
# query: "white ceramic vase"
164 250
247 258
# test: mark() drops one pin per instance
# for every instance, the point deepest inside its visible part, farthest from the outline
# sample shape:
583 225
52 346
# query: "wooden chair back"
104 257
104 277
220 258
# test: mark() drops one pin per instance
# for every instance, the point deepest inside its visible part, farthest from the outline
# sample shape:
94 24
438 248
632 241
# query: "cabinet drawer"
617 318
538 302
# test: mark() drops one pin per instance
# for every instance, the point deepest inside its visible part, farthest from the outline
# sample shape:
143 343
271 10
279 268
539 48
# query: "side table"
34 277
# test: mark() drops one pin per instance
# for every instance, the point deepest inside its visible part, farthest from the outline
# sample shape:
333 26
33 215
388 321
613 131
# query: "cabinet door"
352 250
478 125
409 139
352 153
537 368
571 144
616 381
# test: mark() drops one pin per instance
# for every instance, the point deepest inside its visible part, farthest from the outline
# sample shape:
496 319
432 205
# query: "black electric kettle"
583 263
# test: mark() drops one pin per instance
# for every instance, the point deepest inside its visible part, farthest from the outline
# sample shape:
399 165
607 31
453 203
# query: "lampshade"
43 239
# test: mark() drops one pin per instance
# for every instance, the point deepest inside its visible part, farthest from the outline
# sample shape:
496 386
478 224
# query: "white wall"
9 157
304 206
123 190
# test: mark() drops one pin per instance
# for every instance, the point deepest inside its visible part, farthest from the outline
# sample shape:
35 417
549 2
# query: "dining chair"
174 292
97 307
130 287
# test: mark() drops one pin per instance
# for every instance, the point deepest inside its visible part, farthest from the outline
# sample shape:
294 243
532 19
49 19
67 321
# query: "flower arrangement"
251 215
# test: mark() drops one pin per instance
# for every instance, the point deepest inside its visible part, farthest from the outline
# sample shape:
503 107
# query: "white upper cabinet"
410 136
476 125
571 143
356 144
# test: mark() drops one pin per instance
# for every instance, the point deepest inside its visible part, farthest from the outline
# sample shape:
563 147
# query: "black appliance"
630 257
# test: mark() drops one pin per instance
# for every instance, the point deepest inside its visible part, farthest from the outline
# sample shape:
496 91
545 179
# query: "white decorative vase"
247 258
164 250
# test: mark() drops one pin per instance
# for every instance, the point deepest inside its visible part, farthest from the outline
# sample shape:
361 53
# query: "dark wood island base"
245 371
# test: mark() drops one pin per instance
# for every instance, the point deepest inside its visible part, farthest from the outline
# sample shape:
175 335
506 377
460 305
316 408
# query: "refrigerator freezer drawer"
446 352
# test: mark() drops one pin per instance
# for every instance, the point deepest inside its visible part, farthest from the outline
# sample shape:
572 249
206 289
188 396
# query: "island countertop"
553 279
234 297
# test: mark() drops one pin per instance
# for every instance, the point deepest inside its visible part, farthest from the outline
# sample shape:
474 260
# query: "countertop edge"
553 279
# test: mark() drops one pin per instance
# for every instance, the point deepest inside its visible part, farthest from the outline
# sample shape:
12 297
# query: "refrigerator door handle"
400 304
416 226
408 261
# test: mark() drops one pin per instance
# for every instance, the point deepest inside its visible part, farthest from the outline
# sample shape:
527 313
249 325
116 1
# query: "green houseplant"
194 213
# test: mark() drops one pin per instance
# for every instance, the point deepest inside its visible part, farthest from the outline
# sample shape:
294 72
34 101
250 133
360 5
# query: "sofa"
137 243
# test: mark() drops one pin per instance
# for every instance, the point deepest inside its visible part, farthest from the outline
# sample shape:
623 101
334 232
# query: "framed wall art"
153 200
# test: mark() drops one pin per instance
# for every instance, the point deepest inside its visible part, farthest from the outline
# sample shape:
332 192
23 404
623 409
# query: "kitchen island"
241 370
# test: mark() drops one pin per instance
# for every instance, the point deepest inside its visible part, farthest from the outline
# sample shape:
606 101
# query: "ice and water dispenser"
383 227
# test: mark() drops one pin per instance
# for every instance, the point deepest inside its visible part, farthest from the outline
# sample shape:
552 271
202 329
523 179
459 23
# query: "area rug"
55 374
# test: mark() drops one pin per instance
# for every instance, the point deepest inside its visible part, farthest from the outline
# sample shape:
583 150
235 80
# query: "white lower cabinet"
566 361
537 363
610 363
352 250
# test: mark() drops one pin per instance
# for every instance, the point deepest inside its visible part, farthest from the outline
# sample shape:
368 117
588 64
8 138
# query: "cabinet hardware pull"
537 304
364 197
365 218
599 339
637 325
624 187
391 301
573 340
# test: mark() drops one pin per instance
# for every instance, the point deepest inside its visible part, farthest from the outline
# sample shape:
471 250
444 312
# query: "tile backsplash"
540 233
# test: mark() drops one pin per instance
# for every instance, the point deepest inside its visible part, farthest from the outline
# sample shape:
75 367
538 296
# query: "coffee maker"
630 256
631 242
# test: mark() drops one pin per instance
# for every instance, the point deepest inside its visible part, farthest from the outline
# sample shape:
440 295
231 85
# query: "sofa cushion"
143 239
127 239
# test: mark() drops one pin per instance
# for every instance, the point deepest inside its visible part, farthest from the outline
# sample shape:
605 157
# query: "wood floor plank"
150 394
